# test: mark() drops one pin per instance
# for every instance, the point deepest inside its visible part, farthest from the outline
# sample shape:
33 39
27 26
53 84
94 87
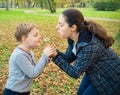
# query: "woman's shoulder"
96 41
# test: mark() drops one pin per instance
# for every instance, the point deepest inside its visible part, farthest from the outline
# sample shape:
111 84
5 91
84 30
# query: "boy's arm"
30 70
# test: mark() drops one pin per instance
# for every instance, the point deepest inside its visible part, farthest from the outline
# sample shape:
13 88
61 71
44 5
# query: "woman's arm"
68 55
83 60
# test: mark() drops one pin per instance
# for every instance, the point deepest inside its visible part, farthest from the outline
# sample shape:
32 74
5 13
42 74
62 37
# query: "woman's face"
63 28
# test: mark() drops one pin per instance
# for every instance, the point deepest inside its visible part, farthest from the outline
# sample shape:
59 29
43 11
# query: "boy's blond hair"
23 30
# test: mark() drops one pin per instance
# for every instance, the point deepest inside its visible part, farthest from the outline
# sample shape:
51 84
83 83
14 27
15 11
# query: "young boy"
23 67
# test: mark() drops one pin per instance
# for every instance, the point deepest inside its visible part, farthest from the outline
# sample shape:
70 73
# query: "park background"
45 13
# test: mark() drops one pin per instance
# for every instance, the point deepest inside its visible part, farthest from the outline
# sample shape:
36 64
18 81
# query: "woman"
88 47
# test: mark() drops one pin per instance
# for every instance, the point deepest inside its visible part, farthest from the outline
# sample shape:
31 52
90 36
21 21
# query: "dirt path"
89 18
104 19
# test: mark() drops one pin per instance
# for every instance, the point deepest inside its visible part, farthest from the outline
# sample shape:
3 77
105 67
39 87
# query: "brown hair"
23 30
74 16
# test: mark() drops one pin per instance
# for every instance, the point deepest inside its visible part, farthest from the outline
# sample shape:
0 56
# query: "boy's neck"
25 48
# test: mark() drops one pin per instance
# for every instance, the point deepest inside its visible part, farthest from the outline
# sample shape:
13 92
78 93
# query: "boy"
23 67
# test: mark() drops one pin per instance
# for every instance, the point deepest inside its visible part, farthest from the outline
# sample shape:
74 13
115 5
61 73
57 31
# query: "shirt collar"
85 36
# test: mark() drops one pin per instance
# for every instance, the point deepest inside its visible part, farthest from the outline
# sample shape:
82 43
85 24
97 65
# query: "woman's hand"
50 51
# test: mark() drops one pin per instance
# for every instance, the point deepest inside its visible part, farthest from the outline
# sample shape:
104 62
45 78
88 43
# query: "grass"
52 81
101 14
87 12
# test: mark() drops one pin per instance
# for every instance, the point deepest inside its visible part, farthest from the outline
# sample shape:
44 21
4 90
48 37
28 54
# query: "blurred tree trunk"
29 3
52 6
7 5
12 4
90 1
41 4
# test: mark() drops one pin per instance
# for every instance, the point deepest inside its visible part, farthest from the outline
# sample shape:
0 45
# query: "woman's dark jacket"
100 64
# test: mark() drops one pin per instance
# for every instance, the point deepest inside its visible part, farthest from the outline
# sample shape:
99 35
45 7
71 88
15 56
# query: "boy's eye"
35 35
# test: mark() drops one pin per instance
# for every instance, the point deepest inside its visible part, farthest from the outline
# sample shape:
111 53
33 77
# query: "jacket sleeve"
83 60
68 55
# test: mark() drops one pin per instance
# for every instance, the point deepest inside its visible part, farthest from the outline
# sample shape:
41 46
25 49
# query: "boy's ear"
74 27
24 38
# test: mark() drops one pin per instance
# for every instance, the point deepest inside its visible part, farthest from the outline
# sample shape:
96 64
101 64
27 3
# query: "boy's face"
33 38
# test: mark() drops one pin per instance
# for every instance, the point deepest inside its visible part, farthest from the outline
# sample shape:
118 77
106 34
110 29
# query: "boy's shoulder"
16 52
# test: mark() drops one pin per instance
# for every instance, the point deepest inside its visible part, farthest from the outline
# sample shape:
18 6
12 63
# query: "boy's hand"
50 51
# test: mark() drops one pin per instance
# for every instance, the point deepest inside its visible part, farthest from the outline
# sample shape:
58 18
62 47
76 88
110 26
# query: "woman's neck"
75 36
25 48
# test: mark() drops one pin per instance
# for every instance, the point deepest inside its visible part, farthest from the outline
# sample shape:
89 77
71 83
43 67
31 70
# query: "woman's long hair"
75 17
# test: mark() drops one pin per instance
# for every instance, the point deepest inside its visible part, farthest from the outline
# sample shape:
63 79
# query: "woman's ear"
74 27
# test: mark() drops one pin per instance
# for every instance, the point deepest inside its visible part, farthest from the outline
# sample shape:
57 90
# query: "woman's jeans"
10 92
86 87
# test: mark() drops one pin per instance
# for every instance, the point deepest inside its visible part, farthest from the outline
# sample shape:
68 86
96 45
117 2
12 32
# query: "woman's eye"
61 25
